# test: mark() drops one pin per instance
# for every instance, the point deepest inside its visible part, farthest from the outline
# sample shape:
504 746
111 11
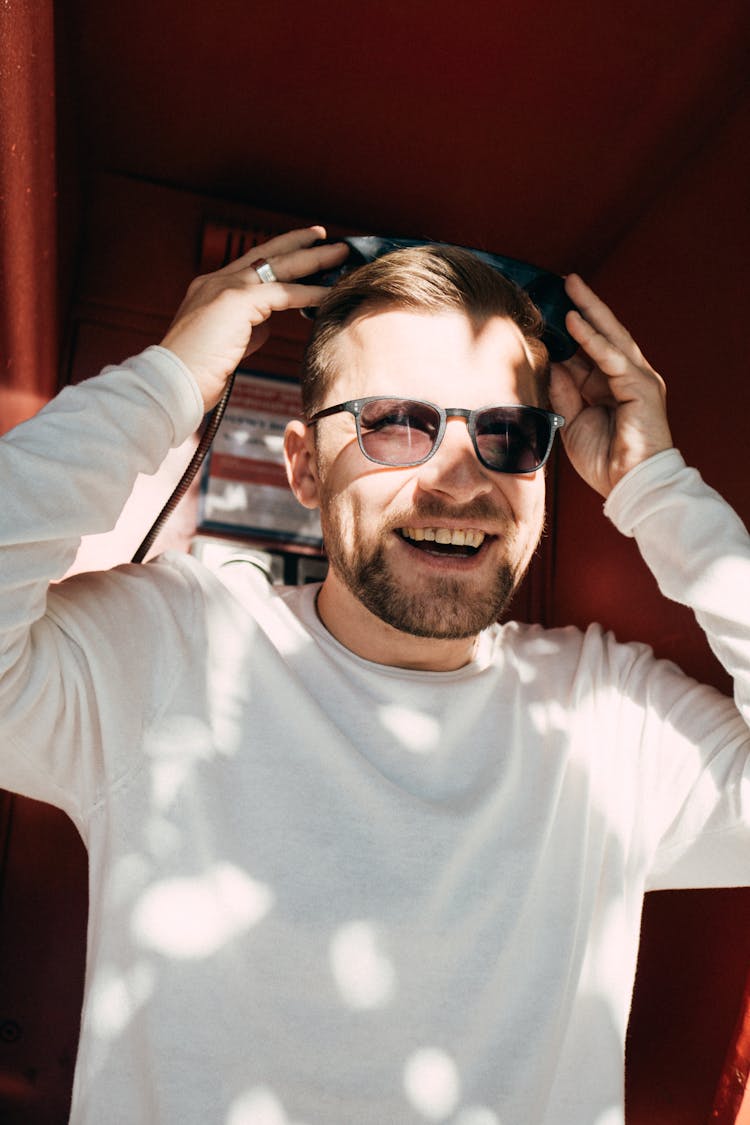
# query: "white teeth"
456 538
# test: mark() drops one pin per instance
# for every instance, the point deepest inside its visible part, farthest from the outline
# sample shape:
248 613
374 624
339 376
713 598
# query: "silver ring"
263 270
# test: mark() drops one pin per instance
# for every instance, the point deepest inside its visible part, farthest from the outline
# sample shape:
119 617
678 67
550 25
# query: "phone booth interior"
673 267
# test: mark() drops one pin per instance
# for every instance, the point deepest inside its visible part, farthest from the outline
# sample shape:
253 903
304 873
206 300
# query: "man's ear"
299 458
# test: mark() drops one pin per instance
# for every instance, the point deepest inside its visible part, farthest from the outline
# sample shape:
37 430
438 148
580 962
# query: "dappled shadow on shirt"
420 904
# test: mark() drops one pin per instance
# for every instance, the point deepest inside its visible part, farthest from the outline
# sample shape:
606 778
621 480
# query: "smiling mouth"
445 540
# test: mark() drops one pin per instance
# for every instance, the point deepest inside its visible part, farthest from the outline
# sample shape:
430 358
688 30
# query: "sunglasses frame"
355 406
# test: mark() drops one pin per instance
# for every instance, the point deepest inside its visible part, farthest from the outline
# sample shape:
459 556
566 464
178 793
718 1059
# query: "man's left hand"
613 401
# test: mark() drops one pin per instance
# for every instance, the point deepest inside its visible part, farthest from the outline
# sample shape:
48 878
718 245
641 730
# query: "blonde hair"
427 279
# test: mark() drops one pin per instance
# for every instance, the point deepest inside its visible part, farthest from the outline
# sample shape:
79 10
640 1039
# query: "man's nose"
454 468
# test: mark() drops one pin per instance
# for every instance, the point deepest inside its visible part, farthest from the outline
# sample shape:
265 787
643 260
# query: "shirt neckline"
303 603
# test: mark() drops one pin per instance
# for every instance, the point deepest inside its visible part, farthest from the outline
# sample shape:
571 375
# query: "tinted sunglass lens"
512 440
398 431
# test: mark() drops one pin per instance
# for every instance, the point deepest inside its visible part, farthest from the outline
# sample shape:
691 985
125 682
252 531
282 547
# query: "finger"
614 374
565 396
596 345
258 337
600 316
277 296
582 370
303 263
578 366
591 384
285 243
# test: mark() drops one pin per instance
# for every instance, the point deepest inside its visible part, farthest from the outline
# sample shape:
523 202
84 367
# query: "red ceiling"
541 130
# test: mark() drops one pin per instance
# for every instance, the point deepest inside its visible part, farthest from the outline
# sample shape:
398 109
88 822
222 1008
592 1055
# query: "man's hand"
219 321
613 401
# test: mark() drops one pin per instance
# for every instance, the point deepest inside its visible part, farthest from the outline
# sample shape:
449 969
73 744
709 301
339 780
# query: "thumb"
261 332
564 396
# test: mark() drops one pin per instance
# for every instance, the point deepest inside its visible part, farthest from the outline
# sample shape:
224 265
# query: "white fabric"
329 892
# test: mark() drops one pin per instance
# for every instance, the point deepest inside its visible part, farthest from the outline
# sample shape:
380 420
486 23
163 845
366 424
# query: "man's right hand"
219 321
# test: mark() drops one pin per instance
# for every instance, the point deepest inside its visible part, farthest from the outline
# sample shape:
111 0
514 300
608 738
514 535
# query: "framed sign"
244 489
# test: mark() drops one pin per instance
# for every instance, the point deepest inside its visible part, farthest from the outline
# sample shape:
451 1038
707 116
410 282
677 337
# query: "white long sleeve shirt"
329 892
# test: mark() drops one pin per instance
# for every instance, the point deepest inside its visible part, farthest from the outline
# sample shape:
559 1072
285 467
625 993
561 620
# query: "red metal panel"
28 230
732 1105
43 913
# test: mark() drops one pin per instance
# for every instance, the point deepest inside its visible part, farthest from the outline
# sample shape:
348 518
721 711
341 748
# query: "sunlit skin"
446 359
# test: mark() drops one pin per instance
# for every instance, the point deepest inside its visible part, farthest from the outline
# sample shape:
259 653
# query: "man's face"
383 526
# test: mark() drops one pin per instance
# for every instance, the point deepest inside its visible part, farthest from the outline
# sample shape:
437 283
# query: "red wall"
678 279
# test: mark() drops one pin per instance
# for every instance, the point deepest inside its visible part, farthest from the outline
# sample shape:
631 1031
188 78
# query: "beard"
446 607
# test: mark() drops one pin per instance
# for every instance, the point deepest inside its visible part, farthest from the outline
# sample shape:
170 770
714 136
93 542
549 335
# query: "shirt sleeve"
67 473
695 755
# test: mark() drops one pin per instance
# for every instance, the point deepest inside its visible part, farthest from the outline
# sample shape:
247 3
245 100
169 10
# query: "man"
358 854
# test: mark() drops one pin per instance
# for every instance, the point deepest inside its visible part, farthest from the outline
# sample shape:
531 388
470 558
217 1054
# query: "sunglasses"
402 432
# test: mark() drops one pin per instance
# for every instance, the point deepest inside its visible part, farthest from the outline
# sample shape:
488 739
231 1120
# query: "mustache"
479 510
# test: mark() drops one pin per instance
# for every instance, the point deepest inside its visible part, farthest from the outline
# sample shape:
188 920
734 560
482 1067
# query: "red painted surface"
733 1095
28 207
43 905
